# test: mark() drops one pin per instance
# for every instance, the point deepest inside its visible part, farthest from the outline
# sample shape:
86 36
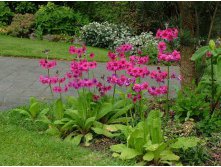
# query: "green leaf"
59 109
122 111
106 108
152 147
168 155
212 44
115 155
88 137
129 153
118 148
185 142
89 122
200 53
219 66
53 131
76 140
23 112
102 131
149 156
34 109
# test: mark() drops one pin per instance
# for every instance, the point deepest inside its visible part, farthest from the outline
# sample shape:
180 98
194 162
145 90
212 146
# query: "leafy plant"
191 104
34 113
21 25
5 14
86 116
146 140
54 19
103 34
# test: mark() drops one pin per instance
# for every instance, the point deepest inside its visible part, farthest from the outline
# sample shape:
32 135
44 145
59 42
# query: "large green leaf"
34 109
89 122
149 156
168 155
103 131
106 108
76 140
200 53
121 112
152 147
129 153
185 142
118 148
59 109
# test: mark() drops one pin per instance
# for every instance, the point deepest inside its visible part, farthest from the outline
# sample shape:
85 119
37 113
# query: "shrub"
145 42
21 25
103 34
25 7
5 14
54 19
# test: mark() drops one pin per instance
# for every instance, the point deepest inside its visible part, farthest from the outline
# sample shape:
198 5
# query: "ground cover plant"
121 106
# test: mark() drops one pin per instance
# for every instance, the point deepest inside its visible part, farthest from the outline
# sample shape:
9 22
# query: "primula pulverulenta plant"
211 78
165 55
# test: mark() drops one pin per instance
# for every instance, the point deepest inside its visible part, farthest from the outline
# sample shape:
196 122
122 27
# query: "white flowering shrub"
103 34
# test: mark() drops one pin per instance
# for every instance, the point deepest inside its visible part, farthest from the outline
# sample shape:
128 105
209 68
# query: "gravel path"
19 80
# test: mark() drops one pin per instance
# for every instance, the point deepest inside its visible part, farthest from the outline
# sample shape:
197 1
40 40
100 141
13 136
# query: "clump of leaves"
146 143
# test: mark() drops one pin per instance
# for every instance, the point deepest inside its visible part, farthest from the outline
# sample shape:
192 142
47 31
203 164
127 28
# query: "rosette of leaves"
146 142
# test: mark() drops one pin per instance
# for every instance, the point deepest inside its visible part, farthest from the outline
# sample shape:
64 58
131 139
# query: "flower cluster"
124 48
59 89
156 91
139 60
83 83
139 87
168 34
78 51
78 67
120 81
103 89
138 72
158 75
46 64
117 65
169 57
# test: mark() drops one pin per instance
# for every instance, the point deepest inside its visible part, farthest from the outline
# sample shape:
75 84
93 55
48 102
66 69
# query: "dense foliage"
54 19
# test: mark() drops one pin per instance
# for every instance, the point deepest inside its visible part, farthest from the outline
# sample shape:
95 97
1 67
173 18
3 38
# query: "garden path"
19 80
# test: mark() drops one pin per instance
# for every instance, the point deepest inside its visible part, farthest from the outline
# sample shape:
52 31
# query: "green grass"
22 146
21 47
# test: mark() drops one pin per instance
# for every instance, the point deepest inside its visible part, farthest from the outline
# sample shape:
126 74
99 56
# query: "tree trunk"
187 32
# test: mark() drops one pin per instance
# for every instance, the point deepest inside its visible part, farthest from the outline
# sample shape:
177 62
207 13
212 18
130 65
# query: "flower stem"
168 91
212 85
50 85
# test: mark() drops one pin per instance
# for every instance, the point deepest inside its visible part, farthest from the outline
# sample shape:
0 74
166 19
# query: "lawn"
21 47
21 146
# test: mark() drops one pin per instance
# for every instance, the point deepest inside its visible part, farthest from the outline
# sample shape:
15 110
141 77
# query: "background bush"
5 14
26 7
21 25
54 19
103 34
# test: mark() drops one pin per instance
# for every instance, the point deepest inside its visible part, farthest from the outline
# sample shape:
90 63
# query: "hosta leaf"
200 53
88 137
168 155
185 142
149 156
